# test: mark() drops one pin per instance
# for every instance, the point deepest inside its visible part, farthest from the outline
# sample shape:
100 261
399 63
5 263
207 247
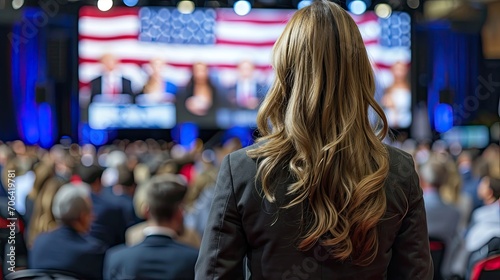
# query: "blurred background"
96 71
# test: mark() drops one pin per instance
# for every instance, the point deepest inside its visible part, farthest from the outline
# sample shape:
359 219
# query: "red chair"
437 248
487 269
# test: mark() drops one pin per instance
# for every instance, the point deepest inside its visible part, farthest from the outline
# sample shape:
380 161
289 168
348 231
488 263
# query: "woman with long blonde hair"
319 196
42 219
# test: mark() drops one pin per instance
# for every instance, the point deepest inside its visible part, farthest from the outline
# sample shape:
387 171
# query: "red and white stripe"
117 31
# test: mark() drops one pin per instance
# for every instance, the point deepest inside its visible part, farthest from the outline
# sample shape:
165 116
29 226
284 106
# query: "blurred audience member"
42 219
67 248
159 256
472 171
43 172
489 190
135 234
485 224
123 193
22 165
442 218
6 155
199 200
109 219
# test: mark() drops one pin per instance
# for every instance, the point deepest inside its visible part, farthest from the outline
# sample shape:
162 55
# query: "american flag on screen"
217 37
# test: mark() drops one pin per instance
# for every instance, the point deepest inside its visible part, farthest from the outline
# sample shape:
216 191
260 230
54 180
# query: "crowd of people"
117 209
75 202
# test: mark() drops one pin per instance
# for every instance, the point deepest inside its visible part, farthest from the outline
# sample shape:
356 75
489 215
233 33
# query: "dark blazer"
96 86
260 91
242 224
65 249
109 223
157 257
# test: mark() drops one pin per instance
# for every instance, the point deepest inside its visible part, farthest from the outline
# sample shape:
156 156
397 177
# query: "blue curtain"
454 65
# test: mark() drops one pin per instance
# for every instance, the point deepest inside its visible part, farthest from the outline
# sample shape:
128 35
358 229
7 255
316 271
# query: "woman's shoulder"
402 184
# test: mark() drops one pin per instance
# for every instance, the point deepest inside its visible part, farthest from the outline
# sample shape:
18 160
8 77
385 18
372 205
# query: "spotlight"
357 7
17 4
242 7
185 7
383 10
130 3
104 5
303 4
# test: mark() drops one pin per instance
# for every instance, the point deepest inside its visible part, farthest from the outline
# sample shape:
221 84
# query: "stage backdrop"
231 52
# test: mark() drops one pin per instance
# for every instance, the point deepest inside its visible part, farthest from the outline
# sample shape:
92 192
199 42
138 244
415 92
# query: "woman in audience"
319 196
42 219
43 172
442 218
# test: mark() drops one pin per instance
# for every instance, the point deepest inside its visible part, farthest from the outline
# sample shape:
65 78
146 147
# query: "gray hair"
70 202
434 171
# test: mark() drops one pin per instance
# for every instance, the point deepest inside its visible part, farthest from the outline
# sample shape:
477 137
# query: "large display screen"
154 67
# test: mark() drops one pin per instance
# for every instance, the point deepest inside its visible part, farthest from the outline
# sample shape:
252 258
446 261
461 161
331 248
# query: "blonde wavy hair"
42 220
315 119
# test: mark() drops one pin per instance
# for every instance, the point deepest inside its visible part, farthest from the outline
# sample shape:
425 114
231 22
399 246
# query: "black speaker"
40 94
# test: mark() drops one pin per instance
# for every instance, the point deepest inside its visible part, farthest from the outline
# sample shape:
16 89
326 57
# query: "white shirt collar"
156 230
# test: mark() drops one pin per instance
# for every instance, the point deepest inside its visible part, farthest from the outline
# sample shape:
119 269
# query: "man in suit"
123 193
111 82
109 223
159 256
247 91
68 248
442 219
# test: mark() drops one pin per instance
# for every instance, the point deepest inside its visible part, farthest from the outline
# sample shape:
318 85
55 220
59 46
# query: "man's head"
164 201
72 206
109 62
433 172
489 189
126 180
91 175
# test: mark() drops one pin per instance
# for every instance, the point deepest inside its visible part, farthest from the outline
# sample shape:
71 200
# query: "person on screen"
197 100
397 98
200 90
319 196
110 84
247 91
156 89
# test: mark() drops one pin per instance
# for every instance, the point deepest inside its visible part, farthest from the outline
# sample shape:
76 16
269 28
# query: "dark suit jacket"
65 249
157 257
96 86
109 223
241 223
260 92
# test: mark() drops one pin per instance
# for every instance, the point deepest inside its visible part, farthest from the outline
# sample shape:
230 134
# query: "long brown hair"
315 119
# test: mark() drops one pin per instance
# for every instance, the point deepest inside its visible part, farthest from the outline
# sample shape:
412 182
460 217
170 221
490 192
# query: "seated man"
109 222
68 248
485 222
159 256
484 226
